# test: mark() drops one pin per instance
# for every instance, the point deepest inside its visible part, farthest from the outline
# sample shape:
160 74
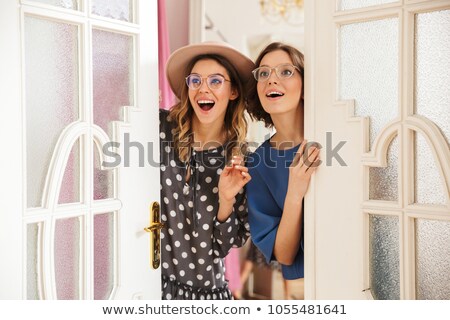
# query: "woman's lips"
206 105
274 94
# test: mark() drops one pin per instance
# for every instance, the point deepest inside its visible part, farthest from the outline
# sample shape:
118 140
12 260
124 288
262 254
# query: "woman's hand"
232 179
303 166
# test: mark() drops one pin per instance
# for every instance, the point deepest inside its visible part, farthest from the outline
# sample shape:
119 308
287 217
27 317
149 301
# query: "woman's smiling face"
277 95
209 105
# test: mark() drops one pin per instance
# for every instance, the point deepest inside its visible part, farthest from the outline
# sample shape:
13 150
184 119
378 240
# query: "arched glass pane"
103 180
429 183
383 182
70 186
384 254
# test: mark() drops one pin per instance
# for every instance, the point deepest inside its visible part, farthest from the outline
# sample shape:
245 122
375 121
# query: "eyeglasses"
283 71
214 81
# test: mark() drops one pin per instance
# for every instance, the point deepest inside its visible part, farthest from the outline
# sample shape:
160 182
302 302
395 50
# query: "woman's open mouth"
274 94
206 105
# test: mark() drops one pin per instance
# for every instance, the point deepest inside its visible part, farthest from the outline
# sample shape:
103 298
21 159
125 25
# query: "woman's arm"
235 230
231 223
289 232
232 179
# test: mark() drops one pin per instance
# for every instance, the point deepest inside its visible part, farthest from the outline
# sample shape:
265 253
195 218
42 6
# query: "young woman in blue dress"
281 168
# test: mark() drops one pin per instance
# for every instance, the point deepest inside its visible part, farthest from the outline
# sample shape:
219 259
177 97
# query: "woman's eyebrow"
217 74
211 74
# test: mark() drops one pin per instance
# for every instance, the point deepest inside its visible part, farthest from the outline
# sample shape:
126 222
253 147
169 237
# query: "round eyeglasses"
214 81
283 71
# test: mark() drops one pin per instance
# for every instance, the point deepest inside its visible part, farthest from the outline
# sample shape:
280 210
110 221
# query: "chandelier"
290 11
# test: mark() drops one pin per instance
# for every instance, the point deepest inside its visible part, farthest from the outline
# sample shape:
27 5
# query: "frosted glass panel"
51 72
68 4
103 255
368 70
355 4
384 257
432 67
113 76
70 186
429 184
67 258
432 259
32 261
115 9
384 181
103 180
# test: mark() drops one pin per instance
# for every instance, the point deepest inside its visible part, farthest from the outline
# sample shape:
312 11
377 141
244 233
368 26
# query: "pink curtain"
166 96
233 270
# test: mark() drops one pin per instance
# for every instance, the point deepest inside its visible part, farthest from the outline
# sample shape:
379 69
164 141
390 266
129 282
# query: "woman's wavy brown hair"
255 109
235 124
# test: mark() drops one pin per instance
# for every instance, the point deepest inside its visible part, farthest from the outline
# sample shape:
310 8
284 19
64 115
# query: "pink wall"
178 23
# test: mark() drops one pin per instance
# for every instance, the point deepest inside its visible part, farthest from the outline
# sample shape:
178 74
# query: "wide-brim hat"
178 60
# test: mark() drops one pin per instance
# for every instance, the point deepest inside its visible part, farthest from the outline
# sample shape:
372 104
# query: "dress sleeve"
263 217
233 232
164 125
165 136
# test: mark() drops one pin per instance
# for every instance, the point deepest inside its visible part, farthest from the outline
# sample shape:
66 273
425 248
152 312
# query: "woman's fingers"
309 157
241 168
299 154
247 177
313 165
227 170
237 160
243 172
311 161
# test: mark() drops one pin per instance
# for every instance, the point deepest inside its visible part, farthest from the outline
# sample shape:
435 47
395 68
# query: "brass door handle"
155 229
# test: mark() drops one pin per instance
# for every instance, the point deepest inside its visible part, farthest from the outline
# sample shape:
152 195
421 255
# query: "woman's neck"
208 135
289 129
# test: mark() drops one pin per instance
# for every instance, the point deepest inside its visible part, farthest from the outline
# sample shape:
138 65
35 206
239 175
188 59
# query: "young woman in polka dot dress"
202 171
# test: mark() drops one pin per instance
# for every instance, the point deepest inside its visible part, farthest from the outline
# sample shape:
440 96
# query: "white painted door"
76 76
377 78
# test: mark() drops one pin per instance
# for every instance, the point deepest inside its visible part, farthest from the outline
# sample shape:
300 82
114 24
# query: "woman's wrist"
226 200
225 210
295 198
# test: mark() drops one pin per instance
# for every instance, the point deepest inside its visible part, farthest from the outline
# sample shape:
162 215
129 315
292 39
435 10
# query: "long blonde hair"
235 124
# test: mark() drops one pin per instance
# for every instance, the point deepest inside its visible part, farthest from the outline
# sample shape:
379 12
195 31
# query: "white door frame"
12 170
132 269
328 226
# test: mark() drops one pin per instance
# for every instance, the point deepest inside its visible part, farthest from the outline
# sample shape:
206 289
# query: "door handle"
155 240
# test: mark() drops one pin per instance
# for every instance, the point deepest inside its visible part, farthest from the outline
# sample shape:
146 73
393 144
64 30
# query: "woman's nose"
273 77
204 86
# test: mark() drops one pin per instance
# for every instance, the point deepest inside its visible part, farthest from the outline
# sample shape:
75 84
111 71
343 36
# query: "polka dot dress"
193 242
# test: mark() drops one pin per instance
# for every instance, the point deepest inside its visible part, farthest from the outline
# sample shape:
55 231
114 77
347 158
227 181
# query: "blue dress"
266 192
